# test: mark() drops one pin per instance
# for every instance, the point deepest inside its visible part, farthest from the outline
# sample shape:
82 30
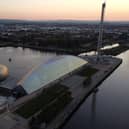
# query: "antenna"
100 38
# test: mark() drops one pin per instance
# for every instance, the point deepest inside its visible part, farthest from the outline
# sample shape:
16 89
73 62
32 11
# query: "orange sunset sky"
63 9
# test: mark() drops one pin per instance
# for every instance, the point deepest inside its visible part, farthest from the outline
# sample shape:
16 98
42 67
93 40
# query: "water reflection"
93 107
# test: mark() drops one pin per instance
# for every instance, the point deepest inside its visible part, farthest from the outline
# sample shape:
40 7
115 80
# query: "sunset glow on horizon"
63 9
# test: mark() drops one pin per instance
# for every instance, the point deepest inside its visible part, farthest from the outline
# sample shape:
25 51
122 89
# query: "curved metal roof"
50 71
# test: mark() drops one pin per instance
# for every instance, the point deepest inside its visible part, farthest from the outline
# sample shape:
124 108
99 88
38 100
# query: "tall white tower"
100 38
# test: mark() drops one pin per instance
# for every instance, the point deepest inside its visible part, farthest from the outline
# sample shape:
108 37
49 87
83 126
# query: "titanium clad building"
48 72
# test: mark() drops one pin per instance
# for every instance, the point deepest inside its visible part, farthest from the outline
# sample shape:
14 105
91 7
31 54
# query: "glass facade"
50 71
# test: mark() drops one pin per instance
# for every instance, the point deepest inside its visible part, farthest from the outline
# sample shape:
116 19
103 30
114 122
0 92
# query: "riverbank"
112 51
48 49
116 51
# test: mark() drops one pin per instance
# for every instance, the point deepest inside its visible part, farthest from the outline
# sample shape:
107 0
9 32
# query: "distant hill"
15 21
10 21
6 21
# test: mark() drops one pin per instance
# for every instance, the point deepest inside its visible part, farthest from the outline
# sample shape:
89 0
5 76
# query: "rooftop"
50 71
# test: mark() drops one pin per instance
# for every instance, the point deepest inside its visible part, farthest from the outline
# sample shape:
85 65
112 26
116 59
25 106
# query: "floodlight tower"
100 38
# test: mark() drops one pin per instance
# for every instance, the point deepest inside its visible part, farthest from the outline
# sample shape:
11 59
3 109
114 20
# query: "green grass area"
88 72
53 109
45 102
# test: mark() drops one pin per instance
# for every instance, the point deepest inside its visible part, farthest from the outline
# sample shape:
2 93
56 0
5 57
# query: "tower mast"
100 38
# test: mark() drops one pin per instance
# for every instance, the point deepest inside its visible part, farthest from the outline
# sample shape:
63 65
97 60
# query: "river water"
109 107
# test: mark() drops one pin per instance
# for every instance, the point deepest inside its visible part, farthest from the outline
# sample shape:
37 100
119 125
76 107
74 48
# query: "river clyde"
106 109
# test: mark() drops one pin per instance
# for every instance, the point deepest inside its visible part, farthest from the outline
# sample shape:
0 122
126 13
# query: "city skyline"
63 10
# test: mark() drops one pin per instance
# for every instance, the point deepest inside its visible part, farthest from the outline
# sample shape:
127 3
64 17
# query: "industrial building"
47 73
